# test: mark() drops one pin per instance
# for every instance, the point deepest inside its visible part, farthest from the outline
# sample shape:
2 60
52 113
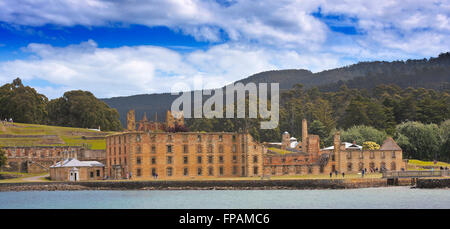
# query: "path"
35 178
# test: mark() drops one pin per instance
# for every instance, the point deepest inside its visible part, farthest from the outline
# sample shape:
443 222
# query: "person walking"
362 172
343 174
331 174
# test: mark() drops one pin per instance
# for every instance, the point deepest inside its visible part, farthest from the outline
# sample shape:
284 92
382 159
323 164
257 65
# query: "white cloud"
389 24
269 22
148 69
259 35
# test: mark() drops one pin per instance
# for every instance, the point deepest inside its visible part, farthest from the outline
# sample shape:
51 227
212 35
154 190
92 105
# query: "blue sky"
118 48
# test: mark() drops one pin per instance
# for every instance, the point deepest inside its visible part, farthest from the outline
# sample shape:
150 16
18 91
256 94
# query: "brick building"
182 155
147 153
307 158
38 159
72 169
146 125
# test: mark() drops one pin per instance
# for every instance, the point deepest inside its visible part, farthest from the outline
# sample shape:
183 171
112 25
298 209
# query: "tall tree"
22 103
82 109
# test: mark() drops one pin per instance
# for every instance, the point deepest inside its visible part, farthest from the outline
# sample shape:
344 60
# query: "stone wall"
433 183
204 184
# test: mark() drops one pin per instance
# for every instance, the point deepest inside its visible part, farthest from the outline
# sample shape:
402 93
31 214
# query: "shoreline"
309 184
305 184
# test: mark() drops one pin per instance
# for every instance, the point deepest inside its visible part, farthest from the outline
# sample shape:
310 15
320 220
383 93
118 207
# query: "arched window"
393 166
383 166
361 166
372 166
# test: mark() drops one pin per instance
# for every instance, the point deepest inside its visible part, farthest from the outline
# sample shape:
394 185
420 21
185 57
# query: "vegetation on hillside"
432 73
75 109
22 103
82 109
415 117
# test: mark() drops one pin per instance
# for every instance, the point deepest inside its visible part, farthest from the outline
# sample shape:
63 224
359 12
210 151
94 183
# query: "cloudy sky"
128 47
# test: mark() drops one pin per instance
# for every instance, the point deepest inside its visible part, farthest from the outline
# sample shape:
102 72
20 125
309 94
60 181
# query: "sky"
128 47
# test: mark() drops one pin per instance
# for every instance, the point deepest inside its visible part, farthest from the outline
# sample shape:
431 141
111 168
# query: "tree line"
414 117
74 109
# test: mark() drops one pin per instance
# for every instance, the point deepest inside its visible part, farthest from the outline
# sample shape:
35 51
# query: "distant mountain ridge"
431 73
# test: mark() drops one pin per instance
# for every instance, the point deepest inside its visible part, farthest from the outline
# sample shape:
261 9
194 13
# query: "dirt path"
35 178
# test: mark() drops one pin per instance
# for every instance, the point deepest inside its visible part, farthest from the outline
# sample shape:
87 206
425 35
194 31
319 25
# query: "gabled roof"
72 162
390 144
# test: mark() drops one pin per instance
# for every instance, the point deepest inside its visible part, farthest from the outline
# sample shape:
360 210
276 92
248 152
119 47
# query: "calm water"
394 197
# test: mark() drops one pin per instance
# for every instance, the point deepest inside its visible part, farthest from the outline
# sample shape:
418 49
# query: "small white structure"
74 170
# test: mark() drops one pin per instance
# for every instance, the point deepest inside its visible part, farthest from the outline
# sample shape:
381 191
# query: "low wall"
208 184
8 176
433 183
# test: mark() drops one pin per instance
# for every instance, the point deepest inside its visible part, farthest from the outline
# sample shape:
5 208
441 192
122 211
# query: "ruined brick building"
147 153
154 126
38 159
306 157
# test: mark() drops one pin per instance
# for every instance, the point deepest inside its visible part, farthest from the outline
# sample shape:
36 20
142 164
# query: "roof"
390 144
348 145
72 162
293 144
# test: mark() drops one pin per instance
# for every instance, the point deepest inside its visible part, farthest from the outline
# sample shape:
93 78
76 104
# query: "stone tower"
304 136
337 149
131 121
170 120
179 118
337 141
285 140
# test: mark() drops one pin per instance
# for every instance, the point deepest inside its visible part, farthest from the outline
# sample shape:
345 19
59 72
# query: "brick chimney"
304 135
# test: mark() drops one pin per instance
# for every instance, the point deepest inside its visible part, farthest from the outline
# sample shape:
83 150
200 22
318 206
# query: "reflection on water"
392 197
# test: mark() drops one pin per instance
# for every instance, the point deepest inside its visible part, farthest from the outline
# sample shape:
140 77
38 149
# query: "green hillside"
432 73
20 134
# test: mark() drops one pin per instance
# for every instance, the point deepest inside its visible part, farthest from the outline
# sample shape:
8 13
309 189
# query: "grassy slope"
68 135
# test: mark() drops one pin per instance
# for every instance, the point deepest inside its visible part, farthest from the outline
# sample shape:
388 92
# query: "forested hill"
433 73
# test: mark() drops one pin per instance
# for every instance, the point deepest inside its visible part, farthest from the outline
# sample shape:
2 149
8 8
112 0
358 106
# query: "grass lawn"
23 176
280 151
69 135
425 165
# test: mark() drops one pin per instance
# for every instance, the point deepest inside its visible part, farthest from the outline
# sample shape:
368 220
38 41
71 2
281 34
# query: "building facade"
144 152
72 169
182 155
307 158
38 159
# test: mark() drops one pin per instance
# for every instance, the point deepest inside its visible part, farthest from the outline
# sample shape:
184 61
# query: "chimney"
131 121
337 141
304 135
